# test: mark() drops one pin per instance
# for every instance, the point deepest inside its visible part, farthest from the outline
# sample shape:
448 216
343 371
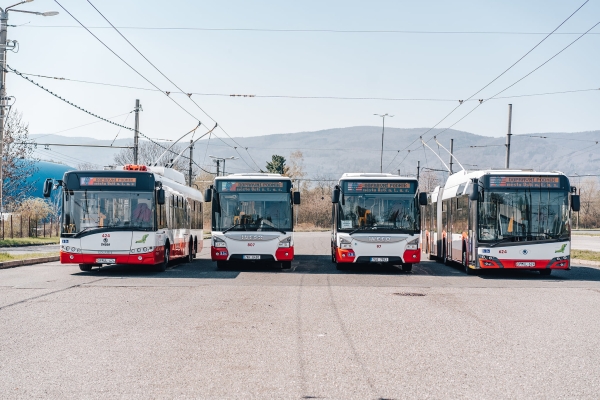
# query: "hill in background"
329 153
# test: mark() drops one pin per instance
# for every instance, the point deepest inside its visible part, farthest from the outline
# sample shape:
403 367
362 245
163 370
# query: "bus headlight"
287 242
219 242
413 244
345 244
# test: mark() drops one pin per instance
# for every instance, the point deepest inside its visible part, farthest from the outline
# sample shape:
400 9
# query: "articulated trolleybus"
376 219
252 219
501 219
130 215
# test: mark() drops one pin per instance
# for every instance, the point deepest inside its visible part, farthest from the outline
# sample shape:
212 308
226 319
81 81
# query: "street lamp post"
382 133
3 98
219 159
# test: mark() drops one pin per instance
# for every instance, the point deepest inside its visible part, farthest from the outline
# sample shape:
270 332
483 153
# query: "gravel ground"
308 332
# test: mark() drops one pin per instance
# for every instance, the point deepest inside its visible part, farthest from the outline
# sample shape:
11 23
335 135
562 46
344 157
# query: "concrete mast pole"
191 158
451 153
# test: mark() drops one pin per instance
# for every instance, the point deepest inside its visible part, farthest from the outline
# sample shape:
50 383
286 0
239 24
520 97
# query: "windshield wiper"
361 228
233 226
86 229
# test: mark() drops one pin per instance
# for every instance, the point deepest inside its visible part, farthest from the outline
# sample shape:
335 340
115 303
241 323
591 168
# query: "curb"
583 262
30 261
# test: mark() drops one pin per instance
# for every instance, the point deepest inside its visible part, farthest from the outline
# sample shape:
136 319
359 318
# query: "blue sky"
447 66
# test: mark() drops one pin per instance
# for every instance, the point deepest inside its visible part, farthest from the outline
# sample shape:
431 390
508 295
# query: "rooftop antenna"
436 154
174 143
451 155
170 165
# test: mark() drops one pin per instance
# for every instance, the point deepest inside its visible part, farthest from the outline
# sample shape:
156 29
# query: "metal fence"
17 226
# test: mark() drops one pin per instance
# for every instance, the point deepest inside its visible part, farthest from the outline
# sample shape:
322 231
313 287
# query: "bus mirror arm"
575 202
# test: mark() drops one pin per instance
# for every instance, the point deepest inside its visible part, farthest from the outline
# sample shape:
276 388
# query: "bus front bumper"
143 258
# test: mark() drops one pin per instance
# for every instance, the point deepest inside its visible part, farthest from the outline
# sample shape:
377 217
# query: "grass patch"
586 255
13 257
16 242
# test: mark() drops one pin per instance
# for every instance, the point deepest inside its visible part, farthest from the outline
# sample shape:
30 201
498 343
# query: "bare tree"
428 181
589 214
87 166
18 162
148 153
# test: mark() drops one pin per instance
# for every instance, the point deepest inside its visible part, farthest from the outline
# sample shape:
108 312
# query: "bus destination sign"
379 187
541 182
256 186
105 181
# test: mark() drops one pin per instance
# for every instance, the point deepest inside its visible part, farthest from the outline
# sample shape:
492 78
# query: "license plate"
106 260
252 257
379 259
525 264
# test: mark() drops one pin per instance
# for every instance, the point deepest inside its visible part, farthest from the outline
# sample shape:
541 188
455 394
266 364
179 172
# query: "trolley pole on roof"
136 135
418 170
508 135
191 158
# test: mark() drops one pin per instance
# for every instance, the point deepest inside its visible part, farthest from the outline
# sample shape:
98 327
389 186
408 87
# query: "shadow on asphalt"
321 264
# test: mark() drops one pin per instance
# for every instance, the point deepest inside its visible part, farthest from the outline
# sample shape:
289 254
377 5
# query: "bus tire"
446 259
162 266
222 265
286 265
545 272
407 267
333 260
342 266
85 267
190 256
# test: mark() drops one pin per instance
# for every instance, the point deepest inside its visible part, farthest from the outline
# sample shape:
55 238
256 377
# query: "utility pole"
399 173
218 161
191 158
3 26
136 135
451 153
508 135
382 133
418 170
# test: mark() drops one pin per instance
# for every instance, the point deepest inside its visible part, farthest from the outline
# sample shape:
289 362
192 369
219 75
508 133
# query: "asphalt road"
309 332
585 242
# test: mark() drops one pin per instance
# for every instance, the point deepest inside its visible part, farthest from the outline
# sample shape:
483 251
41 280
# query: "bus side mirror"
474 195
335 196
423 198
296 197
575 203
208 195
160 196
48 187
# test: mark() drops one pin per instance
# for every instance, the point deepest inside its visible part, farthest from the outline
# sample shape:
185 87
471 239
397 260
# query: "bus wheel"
221 265
333 260
161 267
190 256
85 267
545 272
342 266
446 259
407 267
286 264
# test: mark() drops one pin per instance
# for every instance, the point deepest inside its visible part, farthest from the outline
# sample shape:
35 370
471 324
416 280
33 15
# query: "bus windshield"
388 212
523 214
86 210
253 212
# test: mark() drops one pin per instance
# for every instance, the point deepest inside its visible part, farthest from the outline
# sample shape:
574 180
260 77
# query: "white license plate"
525 264
380 259
106 260
252 257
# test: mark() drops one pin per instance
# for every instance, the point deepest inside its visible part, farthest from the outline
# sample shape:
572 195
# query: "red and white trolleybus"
130 215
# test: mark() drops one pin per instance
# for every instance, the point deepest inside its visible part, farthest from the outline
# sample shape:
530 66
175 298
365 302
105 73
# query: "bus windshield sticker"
104 181
247 186
380 187
346 224
542 182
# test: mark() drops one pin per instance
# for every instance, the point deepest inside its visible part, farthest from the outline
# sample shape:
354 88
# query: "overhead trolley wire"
173 83
461 102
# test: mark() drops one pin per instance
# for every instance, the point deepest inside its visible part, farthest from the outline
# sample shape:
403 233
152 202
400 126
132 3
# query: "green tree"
277 165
